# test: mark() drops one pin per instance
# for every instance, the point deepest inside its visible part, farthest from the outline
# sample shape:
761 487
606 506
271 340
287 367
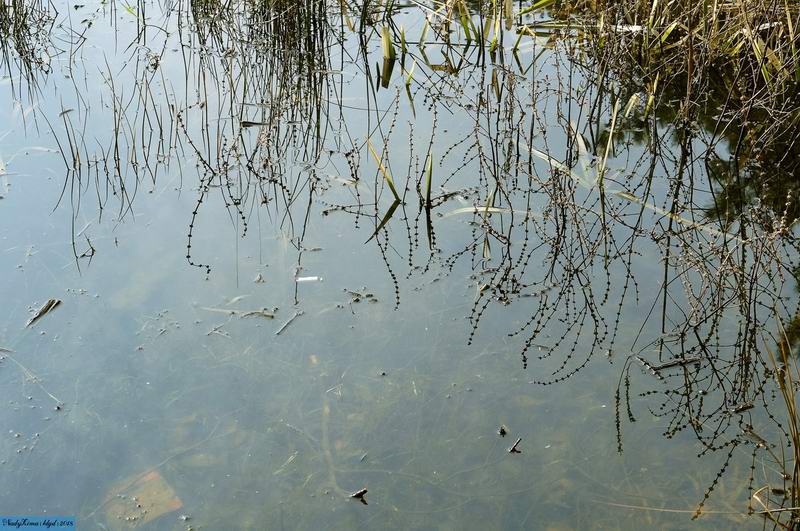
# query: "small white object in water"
308 279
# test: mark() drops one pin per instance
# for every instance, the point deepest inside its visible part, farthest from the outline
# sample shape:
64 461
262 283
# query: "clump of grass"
748 47
731 67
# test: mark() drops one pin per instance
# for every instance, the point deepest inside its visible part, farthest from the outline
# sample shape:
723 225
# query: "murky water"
301 349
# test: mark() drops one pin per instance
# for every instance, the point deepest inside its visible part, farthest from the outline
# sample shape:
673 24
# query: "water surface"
243 343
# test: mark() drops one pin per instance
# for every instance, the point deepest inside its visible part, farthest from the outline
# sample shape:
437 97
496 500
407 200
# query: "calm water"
298 356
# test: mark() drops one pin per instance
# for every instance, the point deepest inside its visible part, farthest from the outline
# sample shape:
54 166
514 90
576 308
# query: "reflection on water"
292 268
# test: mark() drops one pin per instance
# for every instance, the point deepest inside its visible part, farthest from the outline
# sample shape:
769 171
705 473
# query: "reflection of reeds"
259 72
756 42
570 209
592 227
24 35
734 66
273 58
787 376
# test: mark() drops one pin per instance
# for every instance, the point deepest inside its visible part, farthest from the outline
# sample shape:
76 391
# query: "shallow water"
298 364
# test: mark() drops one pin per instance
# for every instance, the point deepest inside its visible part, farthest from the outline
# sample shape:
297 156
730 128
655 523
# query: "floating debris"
46 308
680 362
261 312
749 433
357 296
218 331
741 408
297 314
359 495
513 449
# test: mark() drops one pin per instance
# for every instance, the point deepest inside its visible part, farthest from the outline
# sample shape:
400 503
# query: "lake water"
317 337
